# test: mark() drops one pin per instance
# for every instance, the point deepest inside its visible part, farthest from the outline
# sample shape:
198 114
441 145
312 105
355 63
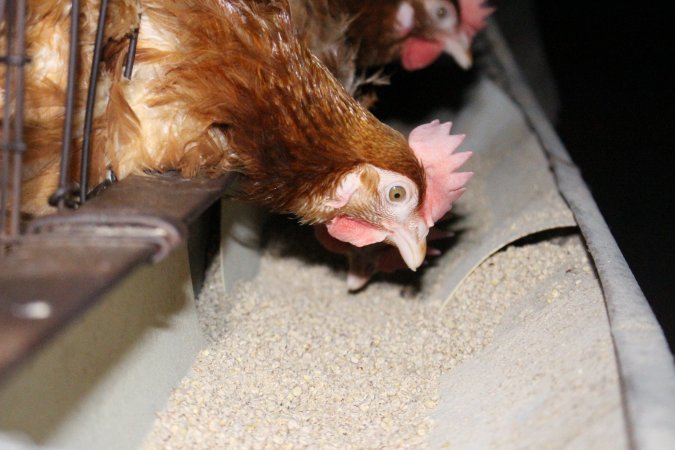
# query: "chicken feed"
294 361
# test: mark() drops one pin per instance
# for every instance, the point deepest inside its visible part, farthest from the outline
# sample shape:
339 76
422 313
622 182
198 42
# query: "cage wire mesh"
69 193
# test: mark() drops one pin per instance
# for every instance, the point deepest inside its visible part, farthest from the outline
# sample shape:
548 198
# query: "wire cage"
69 194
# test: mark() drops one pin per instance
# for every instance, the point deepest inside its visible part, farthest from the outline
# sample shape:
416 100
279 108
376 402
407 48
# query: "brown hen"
230 86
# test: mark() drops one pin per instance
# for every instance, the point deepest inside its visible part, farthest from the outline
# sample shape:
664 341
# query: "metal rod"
131 55
58 198
18 145
6 129
91 97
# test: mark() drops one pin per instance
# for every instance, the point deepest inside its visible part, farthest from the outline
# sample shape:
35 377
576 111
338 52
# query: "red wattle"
355 232
419 53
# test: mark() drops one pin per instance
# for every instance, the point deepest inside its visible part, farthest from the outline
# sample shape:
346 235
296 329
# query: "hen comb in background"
473 14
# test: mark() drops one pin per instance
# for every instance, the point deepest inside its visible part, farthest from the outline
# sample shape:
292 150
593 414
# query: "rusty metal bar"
64 190
6 126
91 98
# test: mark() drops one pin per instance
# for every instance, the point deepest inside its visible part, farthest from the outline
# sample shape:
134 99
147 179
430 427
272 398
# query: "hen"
415 31
334 31
228 86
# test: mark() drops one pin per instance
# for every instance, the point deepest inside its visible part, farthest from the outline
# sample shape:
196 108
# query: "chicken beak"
411 244
459 47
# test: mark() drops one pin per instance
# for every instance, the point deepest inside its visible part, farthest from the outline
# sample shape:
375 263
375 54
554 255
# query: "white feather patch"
405 18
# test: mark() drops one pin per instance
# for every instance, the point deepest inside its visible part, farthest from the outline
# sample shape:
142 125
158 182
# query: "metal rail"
67 261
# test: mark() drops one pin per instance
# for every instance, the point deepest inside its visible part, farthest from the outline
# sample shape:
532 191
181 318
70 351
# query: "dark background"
616 117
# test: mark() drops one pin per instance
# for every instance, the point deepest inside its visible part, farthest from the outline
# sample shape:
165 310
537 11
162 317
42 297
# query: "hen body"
230 85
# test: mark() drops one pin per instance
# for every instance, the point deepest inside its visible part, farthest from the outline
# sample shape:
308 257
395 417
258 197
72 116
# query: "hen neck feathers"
291 128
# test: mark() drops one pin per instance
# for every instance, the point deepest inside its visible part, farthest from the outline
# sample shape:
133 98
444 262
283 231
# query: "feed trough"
529 331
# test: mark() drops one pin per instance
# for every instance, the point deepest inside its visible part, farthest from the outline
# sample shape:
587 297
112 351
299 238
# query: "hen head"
376 205
430 27
372 205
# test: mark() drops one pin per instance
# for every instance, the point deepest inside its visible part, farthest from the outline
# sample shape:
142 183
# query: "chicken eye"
397 194
441 12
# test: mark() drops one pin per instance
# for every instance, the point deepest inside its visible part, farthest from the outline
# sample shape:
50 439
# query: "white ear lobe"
350 184
405 18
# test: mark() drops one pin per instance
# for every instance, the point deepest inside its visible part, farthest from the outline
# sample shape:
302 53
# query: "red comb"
473 14
434 146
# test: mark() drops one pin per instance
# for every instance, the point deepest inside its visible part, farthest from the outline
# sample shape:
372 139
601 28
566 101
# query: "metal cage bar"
13 146
18 145
91 98
64 191
6 128
131 55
